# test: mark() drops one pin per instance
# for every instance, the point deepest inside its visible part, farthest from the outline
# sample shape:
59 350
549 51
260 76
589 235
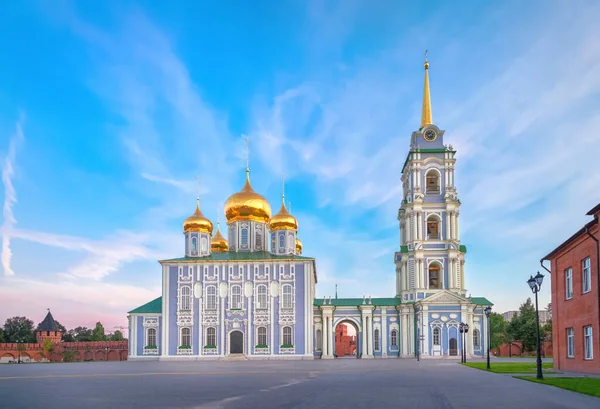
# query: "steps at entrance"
236 357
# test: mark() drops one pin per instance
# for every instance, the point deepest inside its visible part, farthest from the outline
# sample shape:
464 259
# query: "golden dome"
218 243
197 222
298 246
247 205
283 220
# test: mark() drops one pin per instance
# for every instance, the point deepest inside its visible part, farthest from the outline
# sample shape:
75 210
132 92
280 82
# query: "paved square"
341 383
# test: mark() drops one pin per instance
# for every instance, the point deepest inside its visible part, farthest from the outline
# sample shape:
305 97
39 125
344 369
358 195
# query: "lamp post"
535 283
106 349
19 350
488 311
463 329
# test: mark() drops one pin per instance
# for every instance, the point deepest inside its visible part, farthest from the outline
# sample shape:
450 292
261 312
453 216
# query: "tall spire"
426 118
198 192
247 160
283 189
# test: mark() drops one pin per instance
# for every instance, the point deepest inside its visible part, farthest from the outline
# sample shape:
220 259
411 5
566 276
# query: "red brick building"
576 299
344 344
61 351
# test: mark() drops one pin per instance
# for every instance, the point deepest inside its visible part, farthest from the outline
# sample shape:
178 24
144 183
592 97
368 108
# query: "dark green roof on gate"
237 256
463 248
355 302
154 306
481 301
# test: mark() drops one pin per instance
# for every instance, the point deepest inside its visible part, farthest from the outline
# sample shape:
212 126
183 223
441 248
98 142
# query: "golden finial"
426 118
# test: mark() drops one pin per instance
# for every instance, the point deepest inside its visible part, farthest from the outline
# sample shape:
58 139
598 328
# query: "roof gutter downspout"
587 230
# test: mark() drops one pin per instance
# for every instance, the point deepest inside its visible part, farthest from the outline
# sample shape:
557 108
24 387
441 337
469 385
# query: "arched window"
291 242
186 337
476 337
262 335
258 240
433 228
151 338
185 302
211 337
376 339
394 338
432 182
435 281
319 336
436 336
287 336
236 297
244 236
194 244
261 292
204 244
211 297
287 297
281 240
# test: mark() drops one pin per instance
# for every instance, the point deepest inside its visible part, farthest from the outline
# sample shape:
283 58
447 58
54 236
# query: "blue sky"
108 112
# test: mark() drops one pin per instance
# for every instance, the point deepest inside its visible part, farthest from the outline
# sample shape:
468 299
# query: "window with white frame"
586 275
185 302
287 297
186 337
376 339
151 337
211 337
194 244
211 297
319 335
262 335
476 337
261 296
236 297
569 283
204 244
258 239
291 242
588 344
244 236
287 336
394 338
570 343
281 240
436 336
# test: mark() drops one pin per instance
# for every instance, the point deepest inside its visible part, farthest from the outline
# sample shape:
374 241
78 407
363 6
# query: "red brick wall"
579 311
344 344
84 351
514 349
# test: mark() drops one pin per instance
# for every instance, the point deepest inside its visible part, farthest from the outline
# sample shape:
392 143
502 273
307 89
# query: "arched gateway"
236 342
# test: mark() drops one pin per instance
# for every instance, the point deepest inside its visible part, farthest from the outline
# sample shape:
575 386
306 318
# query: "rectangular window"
588 343
151 337
262 336
586 275
570 343
376 339
211 337
236 297
569 283
244 236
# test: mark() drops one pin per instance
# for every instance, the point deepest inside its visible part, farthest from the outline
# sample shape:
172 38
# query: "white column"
425 330
164 342
457 232
424 275
272 326
404 330
384 334
249 330
419 228
470 333
448 229
222 324
364 335
200 337
330 334
370 335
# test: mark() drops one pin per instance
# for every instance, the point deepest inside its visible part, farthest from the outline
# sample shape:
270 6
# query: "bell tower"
431 258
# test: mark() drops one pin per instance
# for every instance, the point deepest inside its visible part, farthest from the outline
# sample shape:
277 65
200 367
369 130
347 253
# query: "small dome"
197 222
247 205
218 243
283 220
298 246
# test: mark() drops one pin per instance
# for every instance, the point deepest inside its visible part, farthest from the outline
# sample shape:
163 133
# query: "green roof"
355 302
154 307
403 249
237 256
463 248
481 301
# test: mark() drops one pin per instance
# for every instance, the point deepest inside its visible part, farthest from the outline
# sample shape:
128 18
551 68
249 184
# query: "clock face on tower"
430 135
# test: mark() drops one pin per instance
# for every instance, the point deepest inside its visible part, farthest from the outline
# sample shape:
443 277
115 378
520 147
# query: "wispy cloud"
10 198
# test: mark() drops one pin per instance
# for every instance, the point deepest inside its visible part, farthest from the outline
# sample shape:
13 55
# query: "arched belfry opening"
346 340
432 182
434 275
433 227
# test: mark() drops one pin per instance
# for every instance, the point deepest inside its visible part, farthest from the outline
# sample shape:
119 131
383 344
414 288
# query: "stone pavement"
343 383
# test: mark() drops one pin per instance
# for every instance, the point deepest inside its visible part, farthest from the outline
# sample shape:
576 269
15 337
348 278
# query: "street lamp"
535 283
106 349
19 350
463 329
488 311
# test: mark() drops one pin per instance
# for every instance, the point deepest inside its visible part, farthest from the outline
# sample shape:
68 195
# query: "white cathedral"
253 294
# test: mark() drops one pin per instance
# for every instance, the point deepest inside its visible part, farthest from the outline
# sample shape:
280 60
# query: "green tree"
1 335
522 327
117 336
47 348
98 333
19 329
82 334
498 330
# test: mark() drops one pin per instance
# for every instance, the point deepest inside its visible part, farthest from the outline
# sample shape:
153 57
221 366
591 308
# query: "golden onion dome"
283 220
218 243
247 205
197 222
298 246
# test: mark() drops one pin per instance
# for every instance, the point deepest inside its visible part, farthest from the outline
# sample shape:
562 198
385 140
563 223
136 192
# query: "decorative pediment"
444 297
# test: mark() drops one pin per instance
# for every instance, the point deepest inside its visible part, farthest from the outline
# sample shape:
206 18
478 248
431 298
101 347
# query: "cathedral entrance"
346 340
236 342
453 347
